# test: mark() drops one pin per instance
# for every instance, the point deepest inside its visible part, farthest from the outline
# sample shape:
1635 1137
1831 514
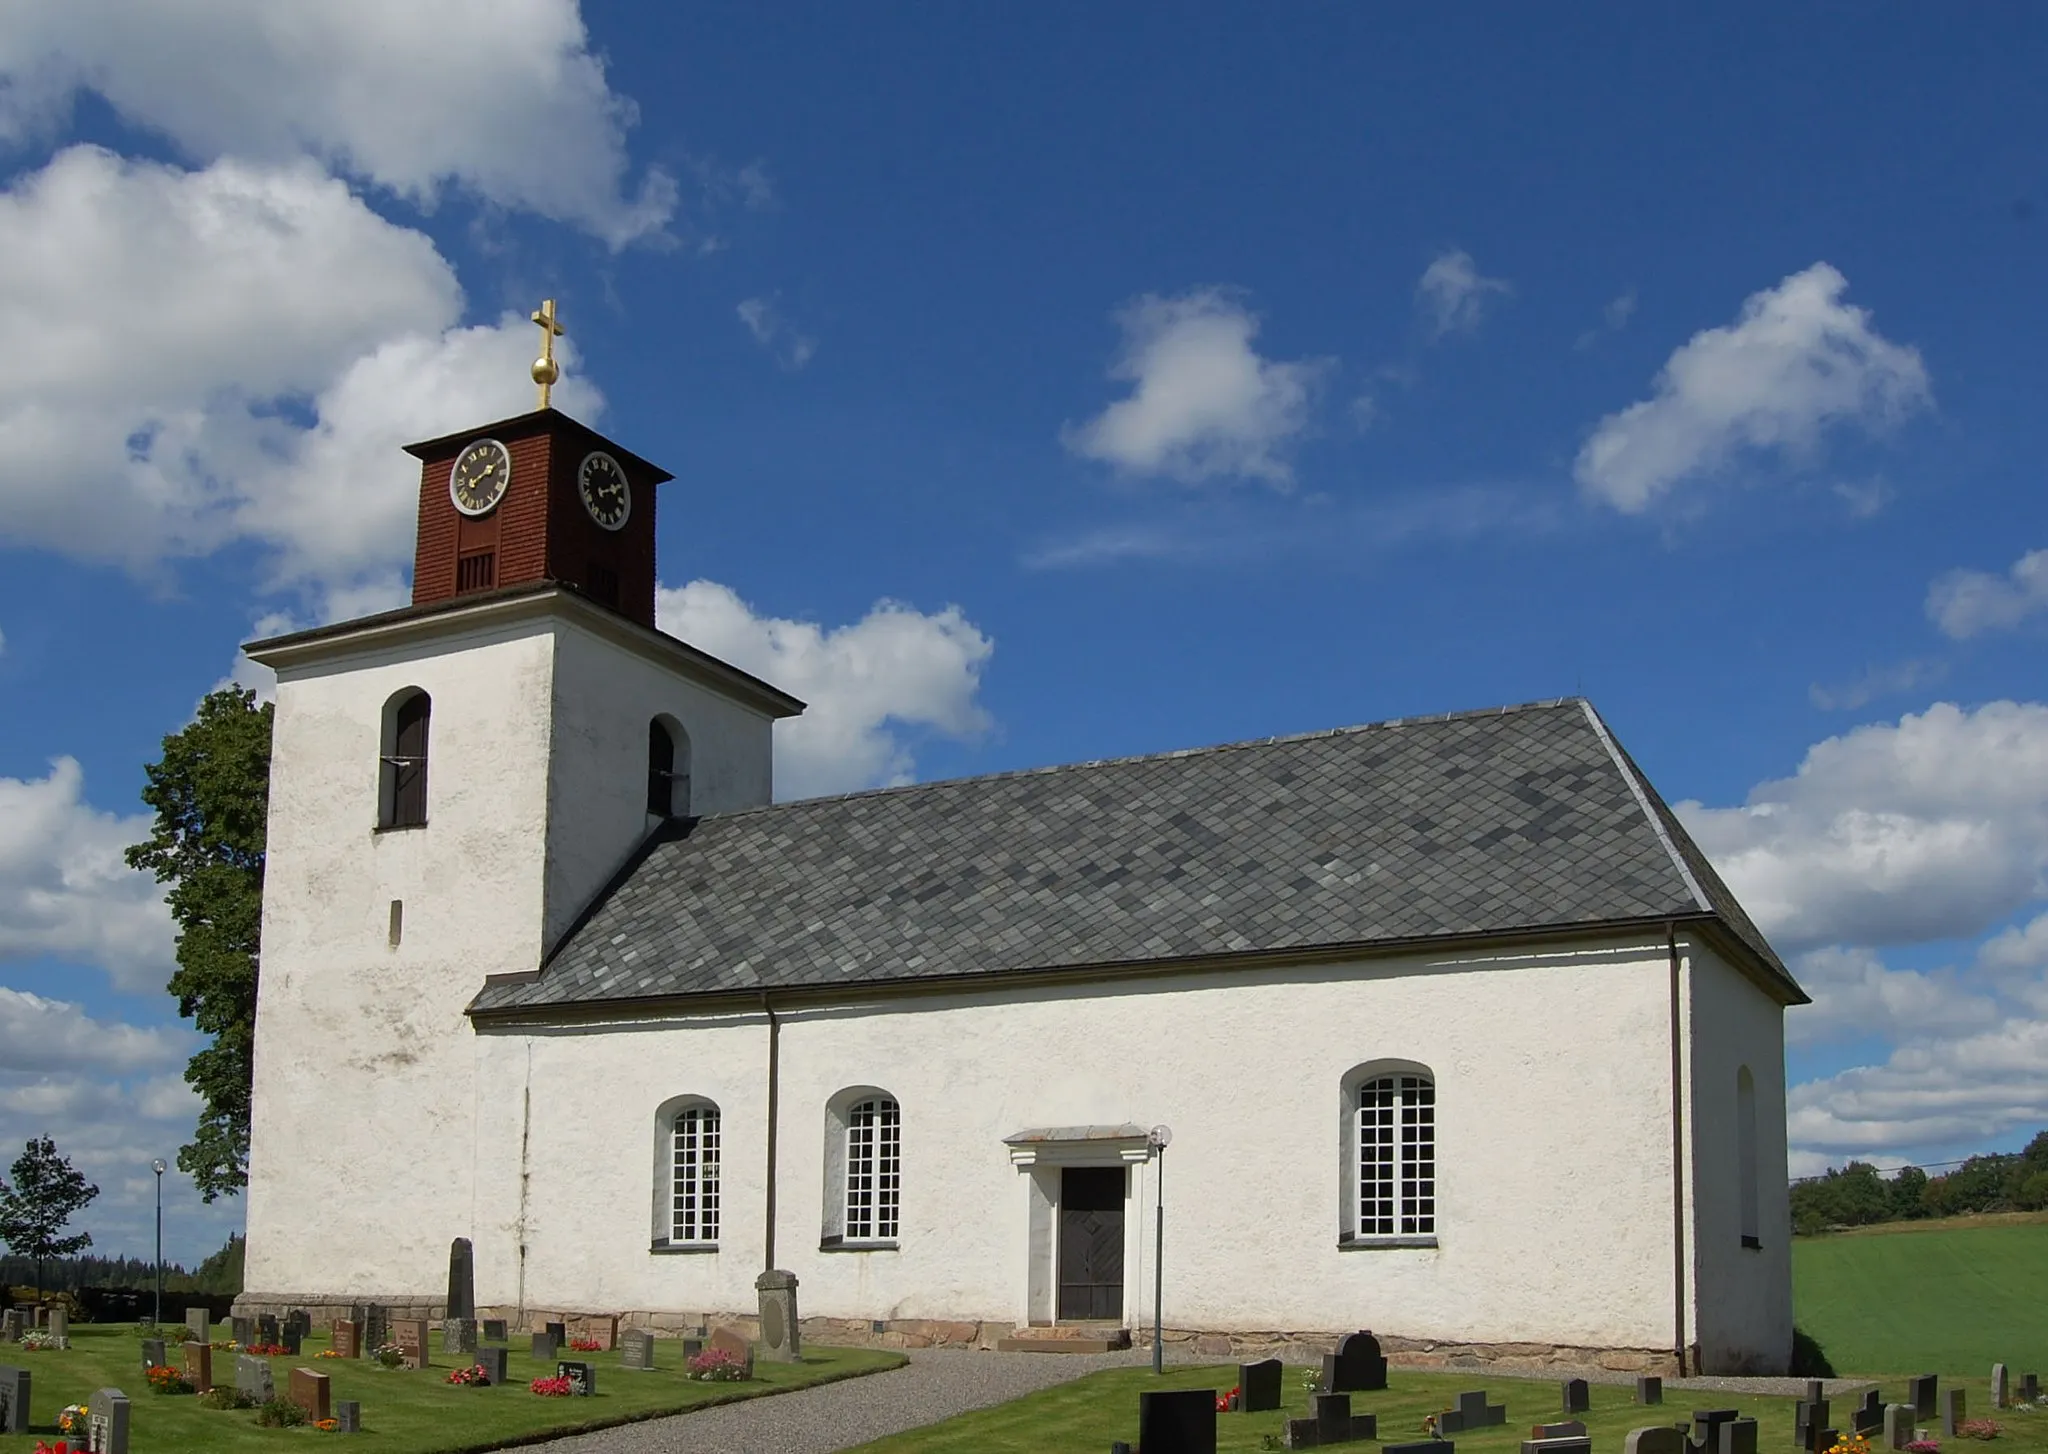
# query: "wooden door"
1091 1242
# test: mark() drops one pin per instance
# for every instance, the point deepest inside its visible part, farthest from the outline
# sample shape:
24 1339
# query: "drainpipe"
1677 1161
774 1099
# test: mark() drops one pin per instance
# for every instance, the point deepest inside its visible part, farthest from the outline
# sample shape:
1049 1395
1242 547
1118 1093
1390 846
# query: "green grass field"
1927 1297
416 1412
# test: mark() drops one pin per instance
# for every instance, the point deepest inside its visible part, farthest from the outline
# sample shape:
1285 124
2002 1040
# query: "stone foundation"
1290 1346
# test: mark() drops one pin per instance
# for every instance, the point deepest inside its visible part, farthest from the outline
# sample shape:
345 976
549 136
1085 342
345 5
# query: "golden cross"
545 370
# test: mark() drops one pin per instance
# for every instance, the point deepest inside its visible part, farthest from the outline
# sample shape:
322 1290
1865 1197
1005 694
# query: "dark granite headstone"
1356 1366
1178 1421
494 1330
461 1280
14 1388
1809 1418
290 1337
636 1350
266 1330
1815 1390
1472 1412
1567 1444
1706 1424
242 1330
1299 1434
691 1348
1421 1446
1258 1385
298 1318
1649 1390
1333 1418
1365 1426
348 1417
310 1391
545 1348
558 1331
1923 1394
1953 1411
582 1378
376 1328
199 1366
1577 1397
1868 1416
493 1361
152 1353
252 1376
1658 1439
1565 1429
1736 1436
2030 1387
106 1419
1898 1425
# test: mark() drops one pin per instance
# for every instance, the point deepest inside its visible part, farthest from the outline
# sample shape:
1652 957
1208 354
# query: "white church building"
1457 1035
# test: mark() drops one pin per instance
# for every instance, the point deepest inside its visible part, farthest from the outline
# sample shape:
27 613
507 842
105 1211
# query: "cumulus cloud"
1965 603
869 685
774 333
38 1034
501 98
1875 682
1797 362
231 354
1934 827
65 891
1203 402
1454 297
1856 993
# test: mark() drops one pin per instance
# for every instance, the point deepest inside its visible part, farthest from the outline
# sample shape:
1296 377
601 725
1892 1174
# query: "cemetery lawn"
413 1412
1927 1297
1090 1412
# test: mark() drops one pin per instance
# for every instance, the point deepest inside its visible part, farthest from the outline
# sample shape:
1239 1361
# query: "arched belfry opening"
668 768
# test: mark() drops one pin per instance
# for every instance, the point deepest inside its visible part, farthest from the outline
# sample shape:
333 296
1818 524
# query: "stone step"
1066 1340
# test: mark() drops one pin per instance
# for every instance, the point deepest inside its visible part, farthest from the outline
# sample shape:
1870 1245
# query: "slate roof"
1513 821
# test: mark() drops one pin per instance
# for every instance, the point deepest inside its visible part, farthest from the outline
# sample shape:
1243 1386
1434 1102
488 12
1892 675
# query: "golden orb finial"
546 372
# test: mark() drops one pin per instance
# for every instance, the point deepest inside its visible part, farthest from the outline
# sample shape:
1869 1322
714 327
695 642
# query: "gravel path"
939 1383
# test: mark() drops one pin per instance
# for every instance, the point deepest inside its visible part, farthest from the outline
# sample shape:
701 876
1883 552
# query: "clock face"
480 476
606 495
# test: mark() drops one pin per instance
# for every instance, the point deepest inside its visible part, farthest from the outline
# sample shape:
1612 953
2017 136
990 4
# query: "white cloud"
38 1034
774 333
1875 682
1203 402
232 354
65 891
1453 296
1933 828
1798 361
894 669
1964 603
1855 993
502 98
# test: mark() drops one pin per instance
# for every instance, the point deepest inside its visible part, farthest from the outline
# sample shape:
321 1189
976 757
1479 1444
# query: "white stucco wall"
1742 1295
1550 1068
364 1139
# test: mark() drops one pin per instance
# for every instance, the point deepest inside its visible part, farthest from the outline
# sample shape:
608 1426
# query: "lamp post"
157 1166
1160 1137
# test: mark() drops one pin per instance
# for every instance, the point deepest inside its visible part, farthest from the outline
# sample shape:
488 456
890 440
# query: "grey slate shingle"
1481 823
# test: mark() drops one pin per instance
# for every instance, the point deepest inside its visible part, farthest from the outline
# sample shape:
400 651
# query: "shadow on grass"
1809 1359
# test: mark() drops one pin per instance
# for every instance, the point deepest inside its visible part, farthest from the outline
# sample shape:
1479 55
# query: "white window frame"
873 1171
1390 1157
696 1134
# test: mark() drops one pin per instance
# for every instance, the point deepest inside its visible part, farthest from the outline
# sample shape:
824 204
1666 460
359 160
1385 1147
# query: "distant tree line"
1857 1195
220 1273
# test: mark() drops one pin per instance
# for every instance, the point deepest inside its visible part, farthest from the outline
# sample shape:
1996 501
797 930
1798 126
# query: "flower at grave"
1849 1444
387 1355
72 1420
1924 1446
328 1353
165 1379
1979 1428
221 1345
39 1340
1223 1401
717 1365
264 1350
476 1376
586 1345
551 1387
327 1426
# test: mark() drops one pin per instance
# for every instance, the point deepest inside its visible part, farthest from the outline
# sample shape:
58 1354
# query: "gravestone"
458 1336
199 1366
1298 1434
376 1329
728 1340
1473 1412
106 1421
494 1330
290 1337
558 1331
2001 1387
493 1362
347 1338
1706 1426
1333 1418
1179 1421
410 1334
60 1324
636 1351
775 1297
1898 1425
300 1319
1365 1426
1660 1439
252 1376
545 1348
1577 1397
242 1330
2030 1388
691 1348
267 1332
1567 1429
1649 1390
582 1378
348 1417
1868 1416
1568 1444
1737 1436
1816 1390
201 1323
152 1353
461 1282
10 1326
1421 1446
1808 1420
311 1392
1920 1393
1258 1385
14 1384
1356 1366
1952 1411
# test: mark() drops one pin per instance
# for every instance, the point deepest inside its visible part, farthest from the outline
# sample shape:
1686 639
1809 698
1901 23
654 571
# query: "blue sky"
1065 382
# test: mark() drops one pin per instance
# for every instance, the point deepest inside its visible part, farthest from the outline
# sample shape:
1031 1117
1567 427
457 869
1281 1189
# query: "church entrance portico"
1082 1247
1091 1244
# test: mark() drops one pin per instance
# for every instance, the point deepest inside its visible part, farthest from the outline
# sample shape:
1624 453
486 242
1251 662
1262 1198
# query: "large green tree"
211 793
46 1192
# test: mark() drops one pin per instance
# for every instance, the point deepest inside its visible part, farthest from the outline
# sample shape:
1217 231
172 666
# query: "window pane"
874 1165
1397 1156
694 1212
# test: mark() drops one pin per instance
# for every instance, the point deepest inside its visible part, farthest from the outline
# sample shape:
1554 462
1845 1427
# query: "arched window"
686 1178
402 781
1745 1154
863 1168
1389 1152
668 769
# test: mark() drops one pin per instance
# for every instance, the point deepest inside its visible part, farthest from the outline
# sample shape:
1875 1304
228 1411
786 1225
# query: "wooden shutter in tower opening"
661 770
477 571
408 763
604 585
